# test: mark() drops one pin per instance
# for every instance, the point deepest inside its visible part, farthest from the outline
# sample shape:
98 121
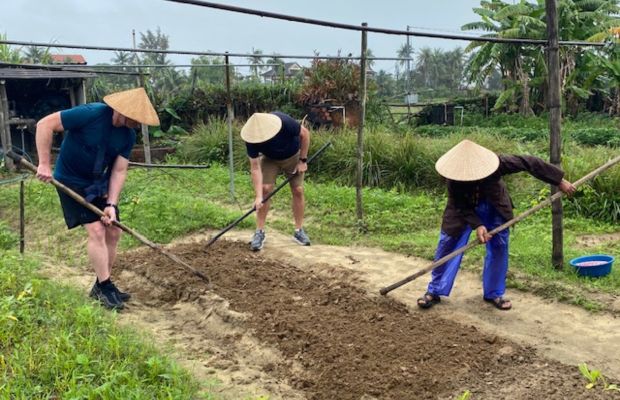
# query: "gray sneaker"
258 240
301 237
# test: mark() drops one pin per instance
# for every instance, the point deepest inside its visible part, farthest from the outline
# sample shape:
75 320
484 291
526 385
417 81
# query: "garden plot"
293 330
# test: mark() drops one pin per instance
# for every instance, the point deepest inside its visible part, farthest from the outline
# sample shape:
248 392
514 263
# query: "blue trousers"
495 260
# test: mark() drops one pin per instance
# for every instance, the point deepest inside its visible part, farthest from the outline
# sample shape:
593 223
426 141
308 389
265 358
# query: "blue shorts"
76 214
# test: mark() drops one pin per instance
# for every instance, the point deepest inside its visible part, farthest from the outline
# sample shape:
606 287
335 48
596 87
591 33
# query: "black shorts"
76 214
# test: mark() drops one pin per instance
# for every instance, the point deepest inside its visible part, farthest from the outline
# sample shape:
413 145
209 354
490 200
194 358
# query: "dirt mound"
336 341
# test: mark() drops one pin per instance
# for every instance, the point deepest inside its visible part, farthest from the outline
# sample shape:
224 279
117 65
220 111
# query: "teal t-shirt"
87 128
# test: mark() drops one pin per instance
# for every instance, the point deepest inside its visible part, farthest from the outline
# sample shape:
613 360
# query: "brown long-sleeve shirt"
463 197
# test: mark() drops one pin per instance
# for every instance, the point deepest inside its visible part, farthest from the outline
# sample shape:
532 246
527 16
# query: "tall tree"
522 66
256 60
37 55
164 81
208 74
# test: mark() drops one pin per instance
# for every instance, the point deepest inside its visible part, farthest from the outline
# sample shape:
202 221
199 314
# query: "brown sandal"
500 303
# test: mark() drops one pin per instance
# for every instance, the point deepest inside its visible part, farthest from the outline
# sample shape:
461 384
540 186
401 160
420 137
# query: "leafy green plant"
594 376
466 395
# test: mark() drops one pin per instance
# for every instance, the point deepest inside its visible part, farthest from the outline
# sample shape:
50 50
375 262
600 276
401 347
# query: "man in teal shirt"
93 161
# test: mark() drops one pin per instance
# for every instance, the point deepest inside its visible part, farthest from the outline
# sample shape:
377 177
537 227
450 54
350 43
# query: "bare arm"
117 180
44 136
257 181
304 146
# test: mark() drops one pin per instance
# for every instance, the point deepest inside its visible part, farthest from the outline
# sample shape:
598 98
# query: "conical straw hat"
134 104
261 127
467 161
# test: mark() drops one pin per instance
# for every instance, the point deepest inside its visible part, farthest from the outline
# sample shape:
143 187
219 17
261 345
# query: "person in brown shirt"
478 200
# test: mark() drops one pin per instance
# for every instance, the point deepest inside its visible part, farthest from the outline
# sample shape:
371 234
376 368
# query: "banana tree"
523 67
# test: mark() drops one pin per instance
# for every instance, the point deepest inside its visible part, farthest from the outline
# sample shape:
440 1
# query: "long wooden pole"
500 228
22 220
5 128
360 131
19 159
146 141
555 126
265 199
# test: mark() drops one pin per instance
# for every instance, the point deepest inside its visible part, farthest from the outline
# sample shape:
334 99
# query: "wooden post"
72 98
22 220
81 92
5 128
555 115
229 119
360 131
146 142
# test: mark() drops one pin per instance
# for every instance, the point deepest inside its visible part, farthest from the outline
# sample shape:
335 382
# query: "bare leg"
112 236
97 249
298 205
261 214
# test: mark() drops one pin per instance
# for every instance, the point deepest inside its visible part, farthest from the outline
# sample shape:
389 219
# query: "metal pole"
360 131
408 65
22 220
408 77
229 119
555 115
146 142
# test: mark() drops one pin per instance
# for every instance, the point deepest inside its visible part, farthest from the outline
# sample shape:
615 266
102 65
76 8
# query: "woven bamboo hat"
467 161
261 127
134 104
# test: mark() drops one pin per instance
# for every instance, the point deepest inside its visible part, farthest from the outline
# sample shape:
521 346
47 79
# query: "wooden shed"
28 93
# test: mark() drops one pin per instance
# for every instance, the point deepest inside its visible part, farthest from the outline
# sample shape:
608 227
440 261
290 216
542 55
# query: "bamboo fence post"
229 119
555 126
146 141
22 220
360 131
500 228
5 128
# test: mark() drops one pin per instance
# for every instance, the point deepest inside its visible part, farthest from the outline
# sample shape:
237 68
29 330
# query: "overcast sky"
110 23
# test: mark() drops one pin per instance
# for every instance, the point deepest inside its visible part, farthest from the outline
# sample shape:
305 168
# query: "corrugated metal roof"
68 59
23 73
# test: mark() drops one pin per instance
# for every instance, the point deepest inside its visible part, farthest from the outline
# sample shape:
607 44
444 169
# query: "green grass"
56 344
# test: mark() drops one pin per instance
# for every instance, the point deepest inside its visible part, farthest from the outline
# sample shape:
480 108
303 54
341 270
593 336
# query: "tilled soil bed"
341 342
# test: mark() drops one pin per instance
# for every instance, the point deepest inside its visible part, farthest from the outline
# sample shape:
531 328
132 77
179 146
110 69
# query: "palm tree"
256 61
122 58
279 65
424 64
370 58
523 68
406 53
9 54
37 55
